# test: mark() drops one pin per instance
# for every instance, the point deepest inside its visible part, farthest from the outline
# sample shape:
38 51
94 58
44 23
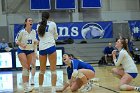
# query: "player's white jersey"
49 37
126 61
26 38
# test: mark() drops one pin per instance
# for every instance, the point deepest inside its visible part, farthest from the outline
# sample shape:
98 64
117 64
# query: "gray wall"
118 11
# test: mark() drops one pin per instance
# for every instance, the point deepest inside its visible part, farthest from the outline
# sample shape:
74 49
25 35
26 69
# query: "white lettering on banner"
64 31
74 31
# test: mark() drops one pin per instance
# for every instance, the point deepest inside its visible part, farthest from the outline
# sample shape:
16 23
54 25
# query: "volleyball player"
126 69
26 40
79 73
47 32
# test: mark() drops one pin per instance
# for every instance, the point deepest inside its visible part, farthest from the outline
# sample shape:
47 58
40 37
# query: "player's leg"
52 59
25 62
125 80
84 75
75 85
43 60
118 72
33 68
87 75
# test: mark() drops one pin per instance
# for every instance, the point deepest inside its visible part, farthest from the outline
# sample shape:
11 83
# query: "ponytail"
42 27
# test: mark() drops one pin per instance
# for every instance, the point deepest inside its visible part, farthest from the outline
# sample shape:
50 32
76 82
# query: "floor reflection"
6 81
10 82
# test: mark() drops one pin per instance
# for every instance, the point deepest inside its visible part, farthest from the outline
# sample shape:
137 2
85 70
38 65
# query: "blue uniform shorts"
134 75
27 52
47 51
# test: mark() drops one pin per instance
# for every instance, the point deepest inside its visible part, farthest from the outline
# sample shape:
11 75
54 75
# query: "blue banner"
135 28
40 5
91 3
79 30
65 4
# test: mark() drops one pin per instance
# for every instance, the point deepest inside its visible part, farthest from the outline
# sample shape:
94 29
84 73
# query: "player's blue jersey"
78 64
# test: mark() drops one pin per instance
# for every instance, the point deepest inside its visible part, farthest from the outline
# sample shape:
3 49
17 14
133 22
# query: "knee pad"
53 72
42 72
77 74
123 87
25 72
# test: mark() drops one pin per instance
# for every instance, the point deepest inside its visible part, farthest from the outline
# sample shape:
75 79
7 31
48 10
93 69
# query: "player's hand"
114 52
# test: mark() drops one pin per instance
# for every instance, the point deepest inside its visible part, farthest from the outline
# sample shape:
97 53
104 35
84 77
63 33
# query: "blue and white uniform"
127 62
78 64
28 39
47 42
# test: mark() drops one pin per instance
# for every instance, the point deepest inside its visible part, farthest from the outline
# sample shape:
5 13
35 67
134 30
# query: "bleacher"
90 52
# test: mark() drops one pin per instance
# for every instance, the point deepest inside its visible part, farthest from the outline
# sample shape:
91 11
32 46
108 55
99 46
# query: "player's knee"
78 74
123 87
25 72
53 72
42 72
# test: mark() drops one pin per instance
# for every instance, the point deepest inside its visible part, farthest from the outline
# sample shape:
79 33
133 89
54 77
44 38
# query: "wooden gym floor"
10 82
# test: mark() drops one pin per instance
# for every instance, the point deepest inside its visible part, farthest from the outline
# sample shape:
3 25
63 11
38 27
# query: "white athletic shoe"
28 89
41 89
87 88
137 89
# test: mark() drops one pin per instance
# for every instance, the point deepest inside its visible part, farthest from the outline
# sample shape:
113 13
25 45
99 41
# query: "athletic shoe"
87 88
27 89
137 89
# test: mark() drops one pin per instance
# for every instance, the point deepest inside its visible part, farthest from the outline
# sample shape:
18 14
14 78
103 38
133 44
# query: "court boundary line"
106 88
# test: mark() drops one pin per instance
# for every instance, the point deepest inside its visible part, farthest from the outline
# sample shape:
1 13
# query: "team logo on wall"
92 30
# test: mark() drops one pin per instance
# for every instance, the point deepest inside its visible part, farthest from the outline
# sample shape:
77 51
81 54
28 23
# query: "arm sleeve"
118 61
75 64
